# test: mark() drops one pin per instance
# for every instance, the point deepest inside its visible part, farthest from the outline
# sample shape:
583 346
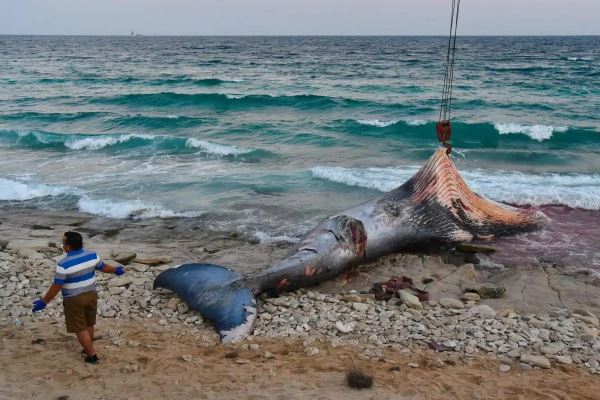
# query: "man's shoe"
91 359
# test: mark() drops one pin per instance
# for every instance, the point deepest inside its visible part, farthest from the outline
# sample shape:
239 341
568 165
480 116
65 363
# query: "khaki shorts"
80 311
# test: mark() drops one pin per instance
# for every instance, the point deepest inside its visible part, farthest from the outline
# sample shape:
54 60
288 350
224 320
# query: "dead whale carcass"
434 205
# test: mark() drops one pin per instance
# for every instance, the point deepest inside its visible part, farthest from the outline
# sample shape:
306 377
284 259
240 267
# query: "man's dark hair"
74 240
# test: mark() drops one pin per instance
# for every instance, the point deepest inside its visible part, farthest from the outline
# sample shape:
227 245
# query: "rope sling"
443 127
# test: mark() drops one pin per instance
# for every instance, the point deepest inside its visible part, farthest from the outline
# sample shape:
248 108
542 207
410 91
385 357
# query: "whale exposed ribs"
445 206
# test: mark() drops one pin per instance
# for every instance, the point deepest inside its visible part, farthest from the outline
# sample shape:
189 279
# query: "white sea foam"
217 149
385 124
536 132
579 58
97 143
574 190
171 116
19 191
415 122
376 122
235 96
263 237
126 209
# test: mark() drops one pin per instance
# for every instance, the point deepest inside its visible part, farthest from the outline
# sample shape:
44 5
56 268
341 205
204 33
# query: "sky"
297 17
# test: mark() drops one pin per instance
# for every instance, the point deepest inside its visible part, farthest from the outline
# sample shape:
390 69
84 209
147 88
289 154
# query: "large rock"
588 319
552 348
451 303
466 272
485 290
124 258
483 310
30 254
564 359
491 291
470 297
538 361
152 261
138 267
410 300
43 233
3 244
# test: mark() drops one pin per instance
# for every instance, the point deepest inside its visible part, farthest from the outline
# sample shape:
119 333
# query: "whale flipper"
217 293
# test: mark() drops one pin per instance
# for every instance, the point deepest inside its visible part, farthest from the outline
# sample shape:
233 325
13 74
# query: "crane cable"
443 127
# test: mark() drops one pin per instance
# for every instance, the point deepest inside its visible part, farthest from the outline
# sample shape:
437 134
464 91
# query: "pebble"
138 267
470 297
116 289
410 300
344 328
564 359
121 281
130 368
504 368
525 367
360 307
588 319
311 351
253 346
538 361
413 365
552 349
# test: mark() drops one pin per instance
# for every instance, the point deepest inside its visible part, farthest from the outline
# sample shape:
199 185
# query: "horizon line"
296 35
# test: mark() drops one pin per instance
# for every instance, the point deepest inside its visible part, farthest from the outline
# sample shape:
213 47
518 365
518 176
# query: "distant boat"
135 34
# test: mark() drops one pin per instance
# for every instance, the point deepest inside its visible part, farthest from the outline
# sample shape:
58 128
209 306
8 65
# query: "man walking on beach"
75 279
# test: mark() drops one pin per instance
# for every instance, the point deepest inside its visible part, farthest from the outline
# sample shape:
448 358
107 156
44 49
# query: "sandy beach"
537 339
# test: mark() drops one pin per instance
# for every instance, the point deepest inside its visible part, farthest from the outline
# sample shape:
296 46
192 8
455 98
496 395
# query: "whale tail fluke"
217 293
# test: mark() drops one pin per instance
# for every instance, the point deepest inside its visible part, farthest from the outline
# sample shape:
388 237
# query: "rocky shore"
460 326
531 318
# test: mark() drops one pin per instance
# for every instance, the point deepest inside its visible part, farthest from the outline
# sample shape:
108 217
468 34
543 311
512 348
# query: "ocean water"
267 135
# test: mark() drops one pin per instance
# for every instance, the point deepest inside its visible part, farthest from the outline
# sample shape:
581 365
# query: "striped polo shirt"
76 272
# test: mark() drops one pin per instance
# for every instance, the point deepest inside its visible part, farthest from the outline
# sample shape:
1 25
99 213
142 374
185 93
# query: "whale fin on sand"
217 294
442 205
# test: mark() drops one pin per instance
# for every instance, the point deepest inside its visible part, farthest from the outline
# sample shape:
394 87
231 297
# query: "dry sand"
54 368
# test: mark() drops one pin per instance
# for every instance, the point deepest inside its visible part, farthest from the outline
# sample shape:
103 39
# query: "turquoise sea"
264 136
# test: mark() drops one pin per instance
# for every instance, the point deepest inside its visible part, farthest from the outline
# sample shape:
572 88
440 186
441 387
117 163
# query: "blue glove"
38 305
119 270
